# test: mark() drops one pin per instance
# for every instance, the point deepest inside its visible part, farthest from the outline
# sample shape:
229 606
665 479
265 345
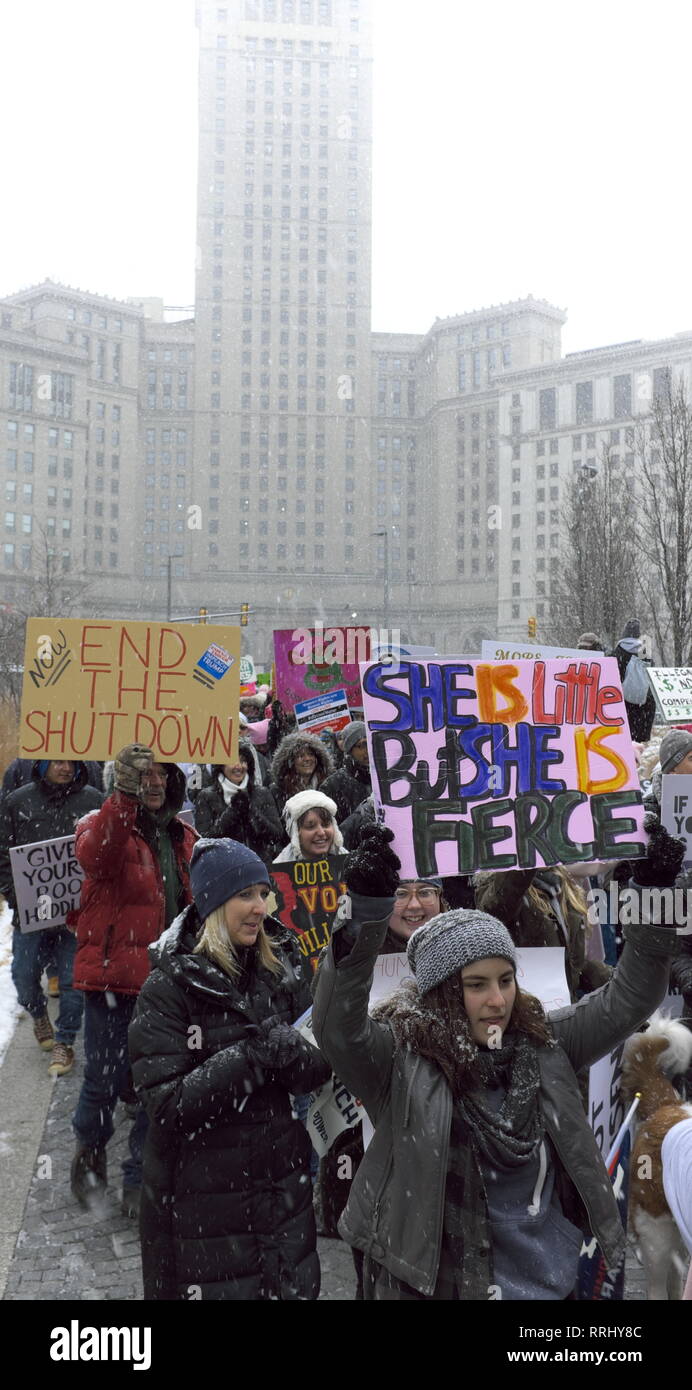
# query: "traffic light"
244 610
532 627
204 615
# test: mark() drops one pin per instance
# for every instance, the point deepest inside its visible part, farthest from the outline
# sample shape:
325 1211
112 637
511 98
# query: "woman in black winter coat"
234 808
301 763
226 1208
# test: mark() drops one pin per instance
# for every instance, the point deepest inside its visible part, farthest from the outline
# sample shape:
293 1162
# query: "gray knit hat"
353 734
674 746
448 942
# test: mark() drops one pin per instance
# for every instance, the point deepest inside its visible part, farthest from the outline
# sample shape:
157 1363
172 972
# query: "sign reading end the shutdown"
502 765
92 686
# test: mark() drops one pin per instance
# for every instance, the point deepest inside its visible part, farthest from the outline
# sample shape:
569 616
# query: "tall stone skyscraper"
282 471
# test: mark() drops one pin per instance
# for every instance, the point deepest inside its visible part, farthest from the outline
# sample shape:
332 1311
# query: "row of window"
289 11
584 398
182 354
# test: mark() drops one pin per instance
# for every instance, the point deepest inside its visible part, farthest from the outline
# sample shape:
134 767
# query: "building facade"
269 448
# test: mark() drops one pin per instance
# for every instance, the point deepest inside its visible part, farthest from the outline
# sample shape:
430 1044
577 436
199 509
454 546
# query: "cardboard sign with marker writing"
92 686
502 765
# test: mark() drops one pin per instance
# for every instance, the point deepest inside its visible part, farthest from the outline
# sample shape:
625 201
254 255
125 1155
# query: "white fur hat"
299 805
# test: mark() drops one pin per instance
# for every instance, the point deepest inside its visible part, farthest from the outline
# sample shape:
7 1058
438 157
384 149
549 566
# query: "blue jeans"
31 952
106 1074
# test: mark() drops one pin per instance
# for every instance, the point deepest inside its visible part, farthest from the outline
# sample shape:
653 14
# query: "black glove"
663 858
235 815
130 763
276 1044
371 869
265 833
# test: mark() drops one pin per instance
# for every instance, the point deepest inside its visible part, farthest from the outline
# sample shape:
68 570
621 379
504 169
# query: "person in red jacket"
135 853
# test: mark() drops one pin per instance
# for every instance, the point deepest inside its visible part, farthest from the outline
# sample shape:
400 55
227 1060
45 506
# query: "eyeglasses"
424 894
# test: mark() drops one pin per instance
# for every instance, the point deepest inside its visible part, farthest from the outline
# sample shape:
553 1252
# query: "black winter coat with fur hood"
226 1195
283 766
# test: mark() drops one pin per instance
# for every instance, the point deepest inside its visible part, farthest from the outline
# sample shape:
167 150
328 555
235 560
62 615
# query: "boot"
129 1205
88 1174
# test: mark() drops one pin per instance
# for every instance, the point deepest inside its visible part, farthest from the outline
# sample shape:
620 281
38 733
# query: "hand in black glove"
276 1044
235 815
371 869
664 856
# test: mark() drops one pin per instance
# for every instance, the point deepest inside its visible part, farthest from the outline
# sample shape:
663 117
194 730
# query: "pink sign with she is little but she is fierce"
502 765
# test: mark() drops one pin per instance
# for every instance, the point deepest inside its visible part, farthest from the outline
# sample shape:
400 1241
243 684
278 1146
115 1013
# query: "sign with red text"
90 687
502 764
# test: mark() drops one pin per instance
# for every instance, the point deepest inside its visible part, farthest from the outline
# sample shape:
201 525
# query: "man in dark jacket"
47 808
135 853
351 784
235 808
18 773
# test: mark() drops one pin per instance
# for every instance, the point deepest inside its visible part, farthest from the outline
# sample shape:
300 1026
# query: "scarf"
512 1136
508 1138
229 789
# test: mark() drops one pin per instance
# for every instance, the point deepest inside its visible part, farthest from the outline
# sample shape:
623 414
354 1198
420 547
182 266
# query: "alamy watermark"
327 646
656 907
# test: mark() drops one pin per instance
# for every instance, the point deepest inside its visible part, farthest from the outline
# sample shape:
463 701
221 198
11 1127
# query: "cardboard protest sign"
91 687
47 883
672 686
324 712
528 651
502 765
606 1113
308 892
313 661
676 808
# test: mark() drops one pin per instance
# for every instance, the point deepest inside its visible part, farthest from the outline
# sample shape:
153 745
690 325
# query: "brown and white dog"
649 1060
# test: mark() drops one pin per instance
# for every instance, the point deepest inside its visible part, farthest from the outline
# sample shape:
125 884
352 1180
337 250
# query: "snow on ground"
9 1006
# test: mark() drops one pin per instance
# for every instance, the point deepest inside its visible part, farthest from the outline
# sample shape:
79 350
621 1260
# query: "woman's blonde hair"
215 943
571 895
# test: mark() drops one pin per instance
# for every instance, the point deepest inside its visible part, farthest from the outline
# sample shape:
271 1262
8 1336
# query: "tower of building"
282 471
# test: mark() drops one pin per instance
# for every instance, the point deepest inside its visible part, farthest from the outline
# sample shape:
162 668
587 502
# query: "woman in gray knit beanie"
483 1175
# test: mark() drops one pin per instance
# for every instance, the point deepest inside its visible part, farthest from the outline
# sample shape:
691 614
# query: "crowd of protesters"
193 954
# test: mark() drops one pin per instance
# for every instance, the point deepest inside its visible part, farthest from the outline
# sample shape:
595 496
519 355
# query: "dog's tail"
651 1058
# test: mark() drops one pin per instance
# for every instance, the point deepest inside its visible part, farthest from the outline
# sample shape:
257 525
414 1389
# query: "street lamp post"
385 533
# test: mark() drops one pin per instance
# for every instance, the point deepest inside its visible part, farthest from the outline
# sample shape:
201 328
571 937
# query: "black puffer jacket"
227 1201
348 787
285 782
41 811
251 817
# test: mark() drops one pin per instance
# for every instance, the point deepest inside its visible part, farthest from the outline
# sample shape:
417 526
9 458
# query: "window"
547 408
584 402
622 397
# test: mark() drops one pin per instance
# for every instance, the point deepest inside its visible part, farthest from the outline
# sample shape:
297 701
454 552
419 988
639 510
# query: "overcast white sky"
537 147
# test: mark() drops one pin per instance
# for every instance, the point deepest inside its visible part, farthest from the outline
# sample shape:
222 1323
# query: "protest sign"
308 892
324 712
313 661
672 686
248 677
676 808
461 757
528 651
47 883
606 1114
91 687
